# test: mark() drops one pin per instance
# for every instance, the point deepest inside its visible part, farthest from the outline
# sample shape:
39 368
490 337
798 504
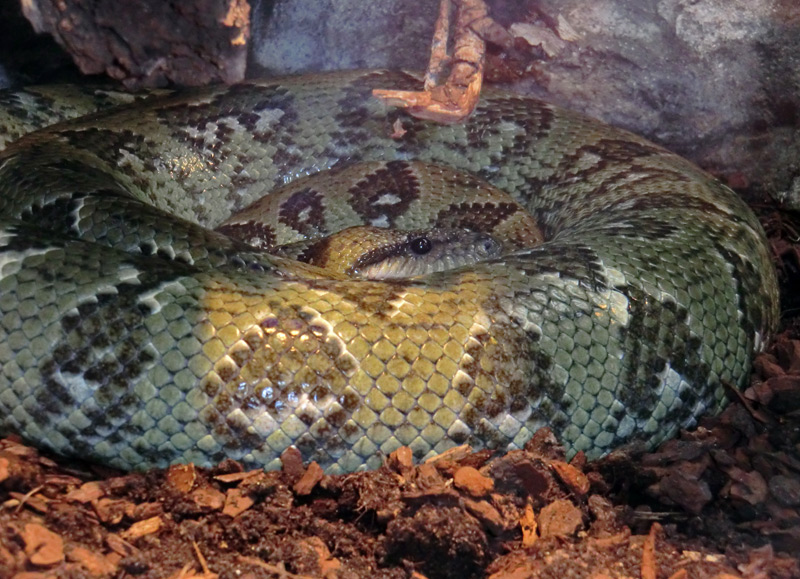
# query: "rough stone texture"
717 81
310 35
186 43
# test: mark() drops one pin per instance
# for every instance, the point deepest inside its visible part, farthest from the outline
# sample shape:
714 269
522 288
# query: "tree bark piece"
182 43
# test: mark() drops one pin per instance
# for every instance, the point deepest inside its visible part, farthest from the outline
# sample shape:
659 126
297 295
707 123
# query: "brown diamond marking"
304 211
384 194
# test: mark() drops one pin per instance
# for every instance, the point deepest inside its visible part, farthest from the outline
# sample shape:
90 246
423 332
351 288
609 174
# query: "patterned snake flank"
133 334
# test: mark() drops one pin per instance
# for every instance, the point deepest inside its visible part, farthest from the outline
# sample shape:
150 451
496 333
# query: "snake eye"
420 245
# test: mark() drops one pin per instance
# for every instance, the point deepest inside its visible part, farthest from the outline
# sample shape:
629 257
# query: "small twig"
26 496
200 558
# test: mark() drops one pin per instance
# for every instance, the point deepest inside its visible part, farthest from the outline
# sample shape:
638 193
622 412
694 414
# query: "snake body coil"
132 334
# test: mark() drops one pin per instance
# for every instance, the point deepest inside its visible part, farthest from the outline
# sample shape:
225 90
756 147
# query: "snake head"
374 253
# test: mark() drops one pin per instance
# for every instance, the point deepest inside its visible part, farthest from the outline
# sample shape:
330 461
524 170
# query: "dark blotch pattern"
138 345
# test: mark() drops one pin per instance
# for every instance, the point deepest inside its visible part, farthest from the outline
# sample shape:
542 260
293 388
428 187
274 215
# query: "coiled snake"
132 334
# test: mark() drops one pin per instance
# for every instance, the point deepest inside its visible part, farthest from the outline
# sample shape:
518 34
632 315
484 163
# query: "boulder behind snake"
132 334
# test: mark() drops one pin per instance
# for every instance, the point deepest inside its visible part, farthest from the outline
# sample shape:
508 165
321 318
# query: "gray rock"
312 35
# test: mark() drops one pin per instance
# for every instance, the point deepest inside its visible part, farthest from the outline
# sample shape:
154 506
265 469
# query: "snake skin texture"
133 334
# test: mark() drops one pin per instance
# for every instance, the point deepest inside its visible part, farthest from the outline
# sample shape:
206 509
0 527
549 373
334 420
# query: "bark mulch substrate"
721 501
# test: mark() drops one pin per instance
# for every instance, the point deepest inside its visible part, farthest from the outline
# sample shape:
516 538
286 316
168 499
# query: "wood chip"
519 470
429 478
788 354
236 502
292 463
142 528
62 480
328 565
42 546
94 563
528 525
309 480
181 477
649 566
455 454
783 394
747 486
237 476
120 546
112 511
560 519
31 499
402 461
489 516
208 498
469 480
87 492
577 482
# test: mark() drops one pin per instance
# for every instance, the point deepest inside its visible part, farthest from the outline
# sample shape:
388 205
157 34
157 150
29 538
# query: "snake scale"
133 334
